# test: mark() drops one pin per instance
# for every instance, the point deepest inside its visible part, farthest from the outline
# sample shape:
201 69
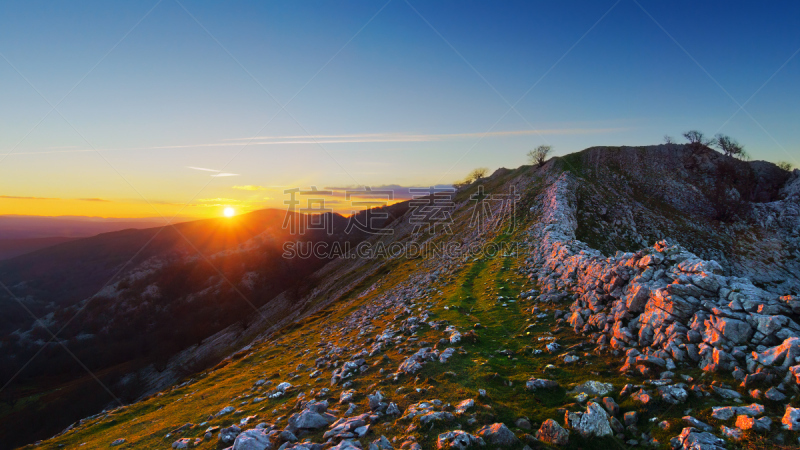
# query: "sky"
181 108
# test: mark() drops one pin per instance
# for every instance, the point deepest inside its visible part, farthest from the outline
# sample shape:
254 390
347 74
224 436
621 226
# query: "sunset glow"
229 212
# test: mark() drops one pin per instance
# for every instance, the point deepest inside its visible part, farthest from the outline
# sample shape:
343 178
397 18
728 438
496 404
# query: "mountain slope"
9 248
569 304
125 303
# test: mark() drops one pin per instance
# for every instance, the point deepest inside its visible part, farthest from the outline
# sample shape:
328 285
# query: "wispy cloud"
347 139
250 187
216 173
398 192
409 137
14 197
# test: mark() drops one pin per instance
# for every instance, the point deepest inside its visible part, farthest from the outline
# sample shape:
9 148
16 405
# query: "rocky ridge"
365 379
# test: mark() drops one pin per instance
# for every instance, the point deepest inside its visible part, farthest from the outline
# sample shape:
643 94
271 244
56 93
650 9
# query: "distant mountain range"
24 234
27 227
124 302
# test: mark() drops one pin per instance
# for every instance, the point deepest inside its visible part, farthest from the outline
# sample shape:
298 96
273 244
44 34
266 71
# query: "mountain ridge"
414 319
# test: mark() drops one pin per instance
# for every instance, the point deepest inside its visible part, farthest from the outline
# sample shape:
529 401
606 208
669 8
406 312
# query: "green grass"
470 294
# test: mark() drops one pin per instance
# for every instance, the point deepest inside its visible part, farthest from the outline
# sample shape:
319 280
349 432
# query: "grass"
470 295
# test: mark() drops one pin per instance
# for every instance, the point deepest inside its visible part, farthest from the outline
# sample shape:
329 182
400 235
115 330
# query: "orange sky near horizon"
198 209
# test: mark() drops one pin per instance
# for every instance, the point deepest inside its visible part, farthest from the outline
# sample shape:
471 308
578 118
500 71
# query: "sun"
229 212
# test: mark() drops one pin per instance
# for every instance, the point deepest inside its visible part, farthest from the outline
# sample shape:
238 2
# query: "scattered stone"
182 443
692 439
540 383
593 422
697 423
254 439
748 423
723 412
774 395
458 439
381 444
593 388
731 433
347 396
226 410
791 419
523 423
611 406
465 405
727 412
228 435
287 436
498 434
552 433
674 394
641 396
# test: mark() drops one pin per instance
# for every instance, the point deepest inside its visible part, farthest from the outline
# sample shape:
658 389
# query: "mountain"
123 303
10 248
619 294
27 227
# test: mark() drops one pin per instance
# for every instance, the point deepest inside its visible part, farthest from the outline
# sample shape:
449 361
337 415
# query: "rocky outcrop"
663 305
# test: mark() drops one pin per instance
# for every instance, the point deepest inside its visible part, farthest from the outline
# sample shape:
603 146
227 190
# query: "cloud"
348 139
94 200
407 137
14 197
250 187
217 173
398 192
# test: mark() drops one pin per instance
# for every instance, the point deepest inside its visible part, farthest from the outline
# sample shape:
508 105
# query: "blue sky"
396 93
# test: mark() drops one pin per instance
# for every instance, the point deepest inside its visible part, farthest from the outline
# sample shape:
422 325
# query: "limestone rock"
791 419
498 434
458 439
593 422
552 433
254 439
540 383
693 439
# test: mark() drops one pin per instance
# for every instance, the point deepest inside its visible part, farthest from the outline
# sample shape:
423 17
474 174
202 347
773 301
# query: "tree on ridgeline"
730 147
539 155
697 138
476 175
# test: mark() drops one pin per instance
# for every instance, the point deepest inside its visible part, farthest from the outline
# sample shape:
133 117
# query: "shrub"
539 155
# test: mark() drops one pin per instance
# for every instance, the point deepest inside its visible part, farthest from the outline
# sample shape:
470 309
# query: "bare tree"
697 138
539 155
477 174
668 139
784 165
730 147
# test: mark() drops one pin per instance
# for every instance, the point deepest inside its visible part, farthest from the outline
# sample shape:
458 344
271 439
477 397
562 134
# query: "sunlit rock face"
666 302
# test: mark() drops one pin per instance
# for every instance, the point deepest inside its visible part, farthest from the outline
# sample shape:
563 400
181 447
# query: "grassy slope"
470 295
